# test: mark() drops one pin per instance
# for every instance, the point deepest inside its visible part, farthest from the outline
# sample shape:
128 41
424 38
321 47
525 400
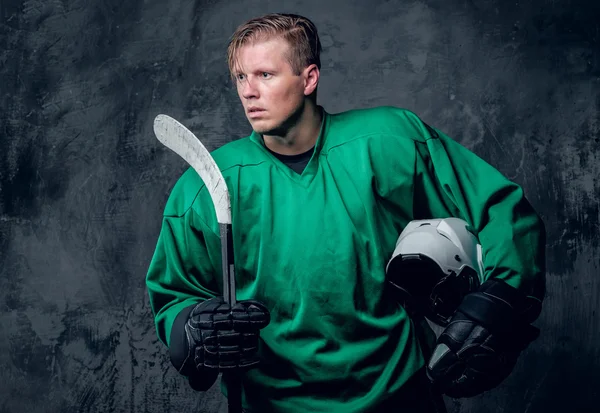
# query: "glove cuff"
179 348
203 381
181 358
502 309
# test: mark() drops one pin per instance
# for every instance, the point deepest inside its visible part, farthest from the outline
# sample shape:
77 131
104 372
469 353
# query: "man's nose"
248 89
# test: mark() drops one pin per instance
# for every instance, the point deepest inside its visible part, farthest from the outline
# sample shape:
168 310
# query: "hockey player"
318 203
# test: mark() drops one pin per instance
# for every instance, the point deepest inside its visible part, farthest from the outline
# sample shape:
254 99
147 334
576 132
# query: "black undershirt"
296 162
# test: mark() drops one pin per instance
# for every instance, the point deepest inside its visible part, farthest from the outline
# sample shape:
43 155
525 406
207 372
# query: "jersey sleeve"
448 180
182 269
452 180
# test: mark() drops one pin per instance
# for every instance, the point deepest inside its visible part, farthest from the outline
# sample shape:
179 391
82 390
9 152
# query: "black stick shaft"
234 382
227 262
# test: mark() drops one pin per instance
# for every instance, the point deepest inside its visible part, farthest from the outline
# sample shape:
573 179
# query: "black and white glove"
216 338
479 347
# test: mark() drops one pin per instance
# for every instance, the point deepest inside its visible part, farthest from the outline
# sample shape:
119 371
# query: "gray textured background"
83 180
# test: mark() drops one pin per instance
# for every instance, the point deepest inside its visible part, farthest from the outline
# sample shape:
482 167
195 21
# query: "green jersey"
313 248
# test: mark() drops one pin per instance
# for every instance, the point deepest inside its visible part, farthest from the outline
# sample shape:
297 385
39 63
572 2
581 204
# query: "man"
318 202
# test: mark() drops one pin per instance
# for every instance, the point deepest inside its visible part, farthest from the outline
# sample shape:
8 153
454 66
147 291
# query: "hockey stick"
184 143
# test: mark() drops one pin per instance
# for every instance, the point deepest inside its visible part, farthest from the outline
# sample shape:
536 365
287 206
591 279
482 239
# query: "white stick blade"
184 143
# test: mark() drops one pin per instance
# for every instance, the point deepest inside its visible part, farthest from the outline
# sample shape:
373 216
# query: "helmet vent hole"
457 258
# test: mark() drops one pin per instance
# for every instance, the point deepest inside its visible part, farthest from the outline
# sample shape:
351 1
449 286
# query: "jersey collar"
313 164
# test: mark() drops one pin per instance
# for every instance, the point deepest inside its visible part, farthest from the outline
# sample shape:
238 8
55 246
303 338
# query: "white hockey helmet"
436 262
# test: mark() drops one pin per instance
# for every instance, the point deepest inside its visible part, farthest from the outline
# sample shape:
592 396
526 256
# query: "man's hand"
480 346
224 338
213 337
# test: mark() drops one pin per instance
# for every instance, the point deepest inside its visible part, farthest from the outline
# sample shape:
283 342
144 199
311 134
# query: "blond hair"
300 33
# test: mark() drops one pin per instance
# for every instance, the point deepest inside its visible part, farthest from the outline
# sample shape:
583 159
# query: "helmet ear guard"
435 264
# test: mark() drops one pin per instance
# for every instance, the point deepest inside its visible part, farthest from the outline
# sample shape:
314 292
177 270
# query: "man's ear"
311 76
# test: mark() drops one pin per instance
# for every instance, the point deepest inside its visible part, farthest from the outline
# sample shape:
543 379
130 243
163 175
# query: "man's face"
272 95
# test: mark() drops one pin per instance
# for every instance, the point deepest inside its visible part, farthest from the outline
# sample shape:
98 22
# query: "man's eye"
265 74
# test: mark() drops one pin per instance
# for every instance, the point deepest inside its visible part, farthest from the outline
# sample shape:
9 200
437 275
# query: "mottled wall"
83 179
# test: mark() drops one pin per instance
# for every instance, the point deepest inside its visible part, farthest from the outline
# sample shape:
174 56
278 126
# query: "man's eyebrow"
266 69
257 71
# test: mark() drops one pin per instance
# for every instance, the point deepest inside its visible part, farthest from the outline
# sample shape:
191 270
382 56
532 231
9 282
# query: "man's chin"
261 128
269 128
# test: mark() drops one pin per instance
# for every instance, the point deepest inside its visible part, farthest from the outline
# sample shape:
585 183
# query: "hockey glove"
217 338
479 347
